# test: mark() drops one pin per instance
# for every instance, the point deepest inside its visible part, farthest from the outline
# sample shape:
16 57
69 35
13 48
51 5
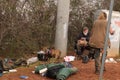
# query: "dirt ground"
85 72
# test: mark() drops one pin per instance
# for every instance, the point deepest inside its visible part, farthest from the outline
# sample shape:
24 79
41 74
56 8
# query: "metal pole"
106 39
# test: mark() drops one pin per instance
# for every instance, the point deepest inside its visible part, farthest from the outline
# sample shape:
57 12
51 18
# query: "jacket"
98 34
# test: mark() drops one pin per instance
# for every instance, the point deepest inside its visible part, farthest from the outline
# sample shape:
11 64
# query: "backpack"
53 71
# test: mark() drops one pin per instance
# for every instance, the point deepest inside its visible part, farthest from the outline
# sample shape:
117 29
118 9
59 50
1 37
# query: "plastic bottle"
23 77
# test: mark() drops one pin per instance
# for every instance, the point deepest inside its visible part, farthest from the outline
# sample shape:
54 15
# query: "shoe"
85 59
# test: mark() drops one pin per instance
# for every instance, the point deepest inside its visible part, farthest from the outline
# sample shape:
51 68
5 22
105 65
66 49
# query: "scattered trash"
118 60
69 58
23 77
32 60
5 72
43 70
20 62
68 64
110 60
33 72
41 52
13 70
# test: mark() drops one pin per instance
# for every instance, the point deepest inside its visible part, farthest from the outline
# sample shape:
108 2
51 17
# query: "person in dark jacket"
83 36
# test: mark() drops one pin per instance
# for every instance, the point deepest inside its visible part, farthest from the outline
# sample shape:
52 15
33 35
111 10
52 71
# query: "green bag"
54 70
65 72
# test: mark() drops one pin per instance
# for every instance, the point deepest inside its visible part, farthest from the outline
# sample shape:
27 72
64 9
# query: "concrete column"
61 36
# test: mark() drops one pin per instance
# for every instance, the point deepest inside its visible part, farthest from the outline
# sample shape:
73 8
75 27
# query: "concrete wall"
113 51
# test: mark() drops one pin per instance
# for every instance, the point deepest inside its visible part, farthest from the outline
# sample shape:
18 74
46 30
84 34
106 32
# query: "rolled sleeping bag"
65 73
54 70
39 68
43 66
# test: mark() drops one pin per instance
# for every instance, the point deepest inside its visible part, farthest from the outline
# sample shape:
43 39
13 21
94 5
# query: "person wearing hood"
82 39
97 37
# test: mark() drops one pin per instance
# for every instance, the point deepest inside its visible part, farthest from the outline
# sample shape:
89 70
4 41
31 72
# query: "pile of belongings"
58 71
8 64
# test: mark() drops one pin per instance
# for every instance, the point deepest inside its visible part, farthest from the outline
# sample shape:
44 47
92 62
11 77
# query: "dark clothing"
81 35
79 49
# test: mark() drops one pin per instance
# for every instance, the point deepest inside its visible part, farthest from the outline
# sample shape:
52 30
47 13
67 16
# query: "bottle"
23 77
13 70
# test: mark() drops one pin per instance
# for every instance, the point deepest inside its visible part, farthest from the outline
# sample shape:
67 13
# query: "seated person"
82 39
